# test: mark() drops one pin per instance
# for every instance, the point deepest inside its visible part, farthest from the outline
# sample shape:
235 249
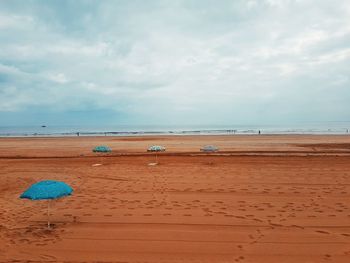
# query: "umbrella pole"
48 214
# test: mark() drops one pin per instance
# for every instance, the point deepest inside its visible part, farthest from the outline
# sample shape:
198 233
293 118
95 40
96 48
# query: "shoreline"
72 132
121 135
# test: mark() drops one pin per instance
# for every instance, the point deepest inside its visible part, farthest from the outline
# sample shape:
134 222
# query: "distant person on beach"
77 133
259 132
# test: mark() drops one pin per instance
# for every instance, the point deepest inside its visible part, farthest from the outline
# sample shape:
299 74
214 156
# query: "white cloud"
14 21
236 60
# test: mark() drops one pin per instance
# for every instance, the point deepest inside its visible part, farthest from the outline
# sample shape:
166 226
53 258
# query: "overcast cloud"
174 62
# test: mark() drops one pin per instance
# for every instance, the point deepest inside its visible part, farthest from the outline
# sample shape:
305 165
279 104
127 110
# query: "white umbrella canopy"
156 148
209 148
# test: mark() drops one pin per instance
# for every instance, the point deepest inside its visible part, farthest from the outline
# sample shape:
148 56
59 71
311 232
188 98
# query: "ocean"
144 130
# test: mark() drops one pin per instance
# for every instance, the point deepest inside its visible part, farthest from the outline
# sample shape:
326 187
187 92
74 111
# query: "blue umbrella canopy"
47 189
102 148
209 148
156 148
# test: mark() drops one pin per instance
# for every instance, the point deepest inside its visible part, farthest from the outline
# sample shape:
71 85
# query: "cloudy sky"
174 62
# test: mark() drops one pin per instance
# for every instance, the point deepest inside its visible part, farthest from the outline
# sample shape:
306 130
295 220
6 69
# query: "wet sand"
261 199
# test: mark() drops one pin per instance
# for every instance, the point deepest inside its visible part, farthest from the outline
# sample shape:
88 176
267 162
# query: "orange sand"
263 199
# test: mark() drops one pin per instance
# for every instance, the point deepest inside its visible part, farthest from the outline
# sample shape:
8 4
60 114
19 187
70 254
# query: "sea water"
144 130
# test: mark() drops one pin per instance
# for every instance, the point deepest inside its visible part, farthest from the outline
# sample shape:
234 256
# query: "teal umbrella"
102 149
47 190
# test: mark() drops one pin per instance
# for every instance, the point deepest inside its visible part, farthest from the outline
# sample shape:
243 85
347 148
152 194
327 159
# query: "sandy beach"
275 198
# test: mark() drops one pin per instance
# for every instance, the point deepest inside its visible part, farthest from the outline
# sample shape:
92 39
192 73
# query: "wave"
243 131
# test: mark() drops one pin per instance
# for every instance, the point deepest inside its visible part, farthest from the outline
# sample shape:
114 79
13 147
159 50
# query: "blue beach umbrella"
102 149
47 190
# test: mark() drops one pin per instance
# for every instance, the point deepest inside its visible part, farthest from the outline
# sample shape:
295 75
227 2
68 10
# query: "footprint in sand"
221 213
40 244
239 259
48 257
322 232
301 227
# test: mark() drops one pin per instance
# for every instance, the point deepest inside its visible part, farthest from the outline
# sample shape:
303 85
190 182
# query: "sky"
174 62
